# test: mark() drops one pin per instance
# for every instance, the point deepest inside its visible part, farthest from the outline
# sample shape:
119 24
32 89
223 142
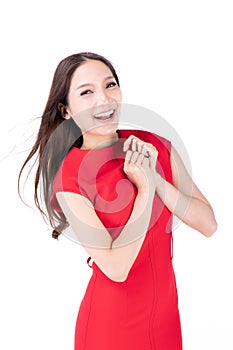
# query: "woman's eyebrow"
83 85
88 84
109 77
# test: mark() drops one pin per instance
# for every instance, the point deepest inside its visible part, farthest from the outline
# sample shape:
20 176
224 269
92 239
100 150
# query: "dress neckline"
107 148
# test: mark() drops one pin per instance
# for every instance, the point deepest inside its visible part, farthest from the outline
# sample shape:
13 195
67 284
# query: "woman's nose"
103 97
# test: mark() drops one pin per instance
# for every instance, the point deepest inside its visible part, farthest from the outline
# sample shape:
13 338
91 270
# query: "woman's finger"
140 159
144 150
134 145
128 155
139 146
134 157
153 154
146 162
127 143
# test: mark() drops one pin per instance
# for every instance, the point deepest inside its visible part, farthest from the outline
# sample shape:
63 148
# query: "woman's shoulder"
66 179
71 161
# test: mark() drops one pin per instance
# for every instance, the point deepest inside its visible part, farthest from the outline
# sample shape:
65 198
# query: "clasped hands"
140 163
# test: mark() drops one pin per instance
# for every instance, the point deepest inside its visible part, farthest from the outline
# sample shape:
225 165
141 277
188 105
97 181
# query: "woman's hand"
140 163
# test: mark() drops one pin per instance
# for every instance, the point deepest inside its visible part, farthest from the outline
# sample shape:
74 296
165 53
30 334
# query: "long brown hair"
56 137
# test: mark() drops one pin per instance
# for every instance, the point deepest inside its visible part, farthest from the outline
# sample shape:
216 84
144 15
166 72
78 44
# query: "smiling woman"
93 102
117 190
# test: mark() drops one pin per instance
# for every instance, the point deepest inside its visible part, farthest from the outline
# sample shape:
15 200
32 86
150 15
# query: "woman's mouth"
104 115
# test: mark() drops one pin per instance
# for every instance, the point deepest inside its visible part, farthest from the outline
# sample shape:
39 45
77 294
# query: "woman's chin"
105 127
104 130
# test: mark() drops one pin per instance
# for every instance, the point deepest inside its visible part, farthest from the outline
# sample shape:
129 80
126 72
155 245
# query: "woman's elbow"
210 228
119 278
117 274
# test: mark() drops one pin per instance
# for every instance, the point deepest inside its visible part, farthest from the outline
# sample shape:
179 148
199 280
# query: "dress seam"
91 298
155 300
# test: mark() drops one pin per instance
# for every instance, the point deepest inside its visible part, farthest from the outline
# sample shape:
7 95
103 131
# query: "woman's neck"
93 142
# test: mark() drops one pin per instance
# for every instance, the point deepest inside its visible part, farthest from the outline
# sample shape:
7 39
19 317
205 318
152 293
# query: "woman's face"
94 99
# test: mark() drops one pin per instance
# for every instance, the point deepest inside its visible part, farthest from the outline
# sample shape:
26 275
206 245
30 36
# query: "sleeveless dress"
142 312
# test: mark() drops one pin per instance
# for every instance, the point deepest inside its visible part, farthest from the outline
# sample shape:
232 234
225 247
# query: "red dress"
140 313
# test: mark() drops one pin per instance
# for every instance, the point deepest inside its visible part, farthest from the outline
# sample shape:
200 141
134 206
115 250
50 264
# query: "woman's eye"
112 84
86 92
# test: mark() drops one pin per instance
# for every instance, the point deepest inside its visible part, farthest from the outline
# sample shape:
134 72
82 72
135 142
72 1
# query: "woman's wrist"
147 192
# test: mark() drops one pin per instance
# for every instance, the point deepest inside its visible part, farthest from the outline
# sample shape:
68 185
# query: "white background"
174 57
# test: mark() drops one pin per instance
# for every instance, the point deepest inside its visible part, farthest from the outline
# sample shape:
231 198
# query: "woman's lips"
106 115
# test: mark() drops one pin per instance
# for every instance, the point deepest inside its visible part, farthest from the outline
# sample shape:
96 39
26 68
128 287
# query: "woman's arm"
115 258
185 200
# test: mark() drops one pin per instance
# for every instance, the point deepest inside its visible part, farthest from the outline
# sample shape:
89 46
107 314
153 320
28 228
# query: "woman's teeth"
104 115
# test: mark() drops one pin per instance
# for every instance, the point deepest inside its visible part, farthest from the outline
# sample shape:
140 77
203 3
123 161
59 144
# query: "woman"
117 189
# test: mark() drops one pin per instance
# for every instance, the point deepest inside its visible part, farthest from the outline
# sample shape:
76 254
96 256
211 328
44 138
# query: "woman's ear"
63 111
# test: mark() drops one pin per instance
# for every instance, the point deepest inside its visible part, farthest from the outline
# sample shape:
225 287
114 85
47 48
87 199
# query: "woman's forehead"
91 70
